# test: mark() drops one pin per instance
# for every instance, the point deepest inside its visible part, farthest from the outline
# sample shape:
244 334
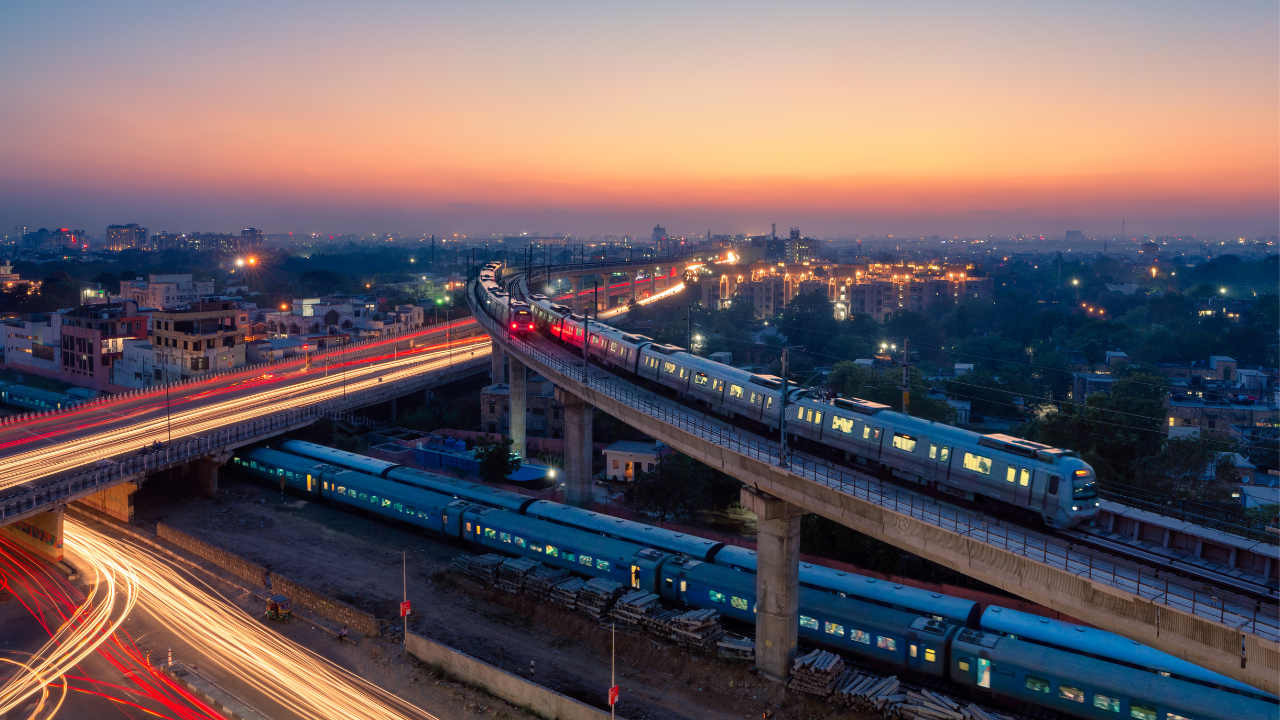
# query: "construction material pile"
887 696
512 574
697 629
816 673
565 592
596 598
483 568
735 647
632 608
539 582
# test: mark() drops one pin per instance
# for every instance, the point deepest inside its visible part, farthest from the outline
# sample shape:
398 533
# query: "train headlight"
1073 507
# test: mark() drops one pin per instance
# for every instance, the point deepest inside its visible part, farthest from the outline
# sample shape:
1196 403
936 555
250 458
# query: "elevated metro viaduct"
779 496
31 512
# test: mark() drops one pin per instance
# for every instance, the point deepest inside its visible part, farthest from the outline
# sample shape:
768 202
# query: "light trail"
85 628
225 636
297 389
652 298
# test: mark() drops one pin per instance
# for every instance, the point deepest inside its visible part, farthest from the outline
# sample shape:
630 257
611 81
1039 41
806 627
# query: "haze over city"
494 117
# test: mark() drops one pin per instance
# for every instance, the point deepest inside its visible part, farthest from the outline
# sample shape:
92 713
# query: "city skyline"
983 121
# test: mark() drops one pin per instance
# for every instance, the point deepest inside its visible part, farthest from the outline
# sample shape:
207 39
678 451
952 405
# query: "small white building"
962 368
627 460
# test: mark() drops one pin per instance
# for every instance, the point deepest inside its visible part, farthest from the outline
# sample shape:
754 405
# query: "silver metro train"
1052 483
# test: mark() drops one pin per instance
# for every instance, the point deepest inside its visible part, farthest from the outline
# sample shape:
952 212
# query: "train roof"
648 535
884 592
561 537
342 458
288 461
1080 639
1120 681
475 492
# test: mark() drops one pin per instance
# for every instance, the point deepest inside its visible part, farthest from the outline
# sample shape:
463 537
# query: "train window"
984 673
906 443
1066 692
468 527
668 367
553 551
738 602
584 560
505 537
964 666
535 546
700 379
490 533
386 502
351 493
977 463
1012 474
325 484
364 497
809 416
684 585
808 622
1025 478
569 556
1039 685
342 490
933 451
866 432
930 655
520 541
602 565
831 628
1053 484
717 596
397 507
1174 716
408 509
911 650
844 425
613 346
768 402
817 418
885 643
735 391
684 373
859 636
1138 711
754 398
875 434
944 455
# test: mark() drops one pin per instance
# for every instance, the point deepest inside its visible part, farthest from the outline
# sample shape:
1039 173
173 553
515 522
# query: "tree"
884 386
497 460
674 489
1191 468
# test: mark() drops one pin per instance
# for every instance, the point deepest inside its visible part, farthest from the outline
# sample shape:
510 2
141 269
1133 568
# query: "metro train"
1000 654
1051 483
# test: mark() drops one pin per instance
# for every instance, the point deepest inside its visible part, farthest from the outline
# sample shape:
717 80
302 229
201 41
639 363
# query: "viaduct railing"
1241 612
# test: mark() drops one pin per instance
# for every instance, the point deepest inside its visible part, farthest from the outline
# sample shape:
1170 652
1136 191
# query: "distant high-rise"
126 237
1075 235
800 249
251 236
659 233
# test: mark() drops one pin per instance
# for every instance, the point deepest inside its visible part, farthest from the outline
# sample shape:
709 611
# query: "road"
47 446
255 661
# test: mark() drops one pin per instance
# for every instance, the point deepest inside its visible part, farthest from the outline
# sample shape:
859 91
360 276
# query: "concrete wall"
115 501
41 534
230 562
515 690
326 607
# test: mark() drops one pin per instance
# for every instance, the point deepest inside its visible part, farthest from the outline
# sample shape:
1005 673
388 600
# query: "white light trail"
296 678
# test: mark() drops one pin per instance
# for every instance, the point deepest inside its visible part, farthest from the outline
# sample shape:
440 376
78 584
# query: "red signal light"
530 326
514 325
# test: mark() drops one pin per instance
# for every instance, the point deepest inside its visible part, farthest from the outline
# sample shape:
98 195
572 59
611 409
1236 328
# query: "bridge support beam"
41 535
115 501
576 283
632 288
498 371
578 450
777 582
207 472
517 405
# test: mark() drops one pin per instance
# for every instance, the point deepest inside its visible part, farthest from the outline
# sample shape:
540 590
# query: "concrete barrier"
499 683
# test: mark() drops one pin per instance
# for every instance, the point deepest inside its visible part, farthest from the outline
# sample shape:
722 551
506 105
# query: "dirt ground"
358 559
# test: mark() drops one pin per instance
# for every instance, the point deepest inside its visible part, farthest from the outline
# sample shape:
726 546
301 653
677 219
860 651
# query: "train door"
1022 496
1035 493
914 650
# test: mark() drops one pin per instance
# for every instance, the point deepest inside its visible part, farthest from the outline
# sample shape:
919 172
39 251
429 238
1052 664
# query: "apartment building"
165 292
198 340
92 340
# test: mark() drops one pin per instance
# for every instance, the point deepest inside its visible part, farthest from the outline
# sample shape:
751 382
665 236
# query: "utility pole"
782 414
168 413
906 377
404 579
689 331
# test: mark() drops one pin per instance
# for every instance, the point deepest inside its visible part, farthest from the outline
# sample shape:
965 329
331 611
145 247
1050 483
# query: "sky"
843 118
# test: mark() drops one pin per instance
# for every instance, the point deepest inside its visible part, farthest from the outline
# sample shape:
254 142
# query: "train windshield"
1083 485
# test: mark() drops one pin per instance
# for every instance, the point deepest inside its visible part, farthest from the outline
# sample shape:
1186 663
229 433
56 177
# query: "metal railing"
23 499
1229 520
1212 603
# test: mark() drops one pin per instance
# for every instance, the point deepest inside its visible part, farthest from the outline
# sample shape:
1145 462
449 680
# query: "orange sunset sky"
869 118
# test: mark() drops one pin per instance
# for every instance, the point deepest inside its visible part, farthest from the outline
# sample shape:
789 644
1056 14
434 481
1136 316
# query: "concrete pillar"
576 283
393 408
653 283
115 501
578 450
632 289
777 582
498 368
517 406
41 535
207 472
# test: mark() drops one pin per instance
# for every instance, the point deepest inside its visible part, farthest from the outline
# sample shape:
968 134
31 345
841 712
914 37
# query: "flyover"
100 452
1231 634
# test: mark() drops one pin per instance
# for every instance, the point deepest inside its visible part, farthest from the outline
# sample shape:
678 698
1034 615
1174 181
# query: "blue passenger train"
1002 654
